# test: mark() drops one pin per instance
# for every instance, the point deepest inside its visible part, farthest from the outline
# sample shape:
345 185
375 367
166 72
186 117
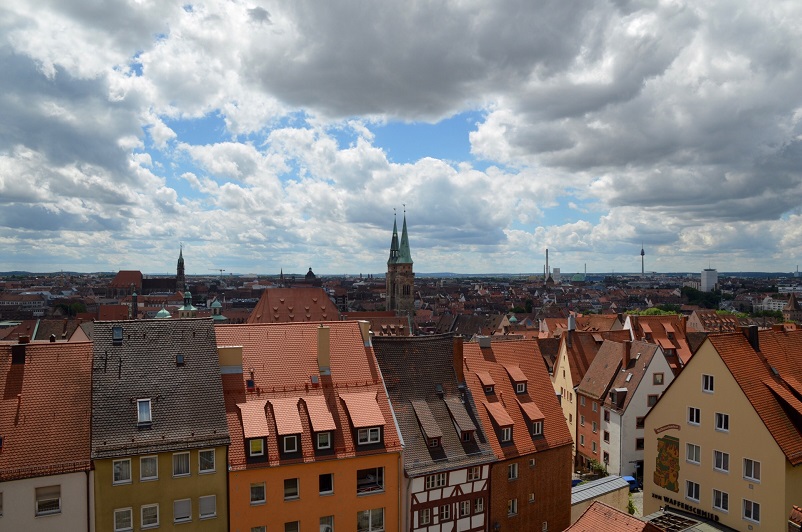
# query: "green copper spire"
404 256
394 245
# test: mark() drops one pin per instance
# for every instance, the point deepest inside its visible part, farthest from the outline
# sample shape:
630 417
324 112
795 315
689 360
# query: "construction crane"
221 270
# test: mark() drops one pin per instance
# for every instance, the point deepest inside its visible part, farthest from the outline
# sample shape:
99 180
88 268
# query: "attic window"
520 387
179 360
434 442
143 411
490 389
117 336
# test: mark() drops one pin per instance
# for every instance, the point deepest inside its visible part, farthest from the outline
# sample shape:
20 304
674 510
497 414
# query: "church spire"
180 278
404 255
394 243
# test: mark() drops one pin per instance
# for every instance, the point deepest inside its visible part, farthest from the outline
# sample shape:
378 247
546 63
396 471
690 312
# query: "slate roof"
771 396
293 305
186 400
413 368
45 409
526 355
283 357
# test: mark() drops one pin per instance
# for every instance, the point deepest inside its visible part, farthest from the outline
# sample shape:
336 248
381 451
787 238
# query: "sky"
271 135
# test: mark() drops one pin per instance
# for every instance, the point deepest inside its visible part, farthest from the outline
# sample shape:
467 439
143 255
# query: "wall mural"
666 472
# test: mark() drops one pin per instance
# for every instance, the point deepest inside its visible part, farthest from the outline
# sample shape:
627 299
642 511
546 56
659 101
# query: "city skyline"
269 137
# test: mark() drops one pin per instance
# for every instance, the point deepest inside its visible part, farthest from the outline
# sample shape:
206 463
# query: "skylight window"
143 411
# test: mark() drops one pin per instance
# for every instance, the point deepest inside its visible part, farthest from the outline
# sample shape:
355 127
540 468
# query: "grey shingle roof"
412 368
186 400
597 488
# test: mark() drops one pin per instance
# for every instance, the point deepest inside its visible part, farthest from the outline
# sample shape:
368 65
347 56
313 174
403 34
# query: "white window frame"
188 518
321 436
506 434
43 496
437 480
698 417
582 440
258 452
512 471
372 481
122 480
594 427
537 428
366 436
520 387
424 516
708 383
123 512
210 452
142 516
142 460
690 488
445 513
512 507
464 508
723 502
581 420
290 443
478 505
595 406
148 417
697 451
593 446
721 461
289 486
258 486
177 456
752 506
749 470
722 422
581 400
201 500
489 389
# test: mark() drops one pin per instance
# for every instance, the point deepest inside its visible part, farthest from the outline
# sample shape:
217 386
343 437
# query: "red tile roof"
531 411
319 413
45 409
363 409
254 424
293 305
600 517
285 412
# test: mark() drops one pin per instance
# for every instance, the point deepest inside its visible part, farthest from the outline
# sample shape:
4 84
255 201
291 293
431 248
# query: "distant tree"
768 314
670 308
529 305
708 300
518 310
654 311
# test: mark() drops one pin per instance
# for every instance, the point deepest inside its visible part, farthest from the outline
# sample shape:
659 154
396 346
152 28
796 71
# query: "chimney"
571 329
134 307
324 349
24 339
484 342
750 331
458 359
683 325
627 354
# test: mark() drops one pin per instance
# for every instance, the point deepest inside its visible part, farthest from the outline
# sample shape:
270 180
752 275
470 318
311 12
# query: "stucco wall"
19 504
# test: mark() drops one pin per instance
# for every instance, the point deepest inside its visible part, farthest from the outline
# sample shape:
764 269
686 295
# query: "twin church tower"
400 277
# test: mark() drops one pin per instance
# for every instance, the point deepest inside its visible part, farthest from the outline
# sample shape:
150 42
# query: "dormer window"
291 443
434 442
324 440
143 412
369 435
466 436
506 434
520 387
117 335
537 428
490 390
517 377
256 447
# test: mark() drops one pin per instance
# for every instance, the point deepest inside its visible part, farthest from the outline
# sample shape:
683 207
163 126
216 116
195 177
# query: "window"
606 436
180 464
512 471
474 473
606 457
506 434
48 500
520 387
148 468
657 379
143 411
434 442
324 440
370 480
150 515
537 428
693 453
582 400
595 427
207 506
121 471
327 523
722 422
291 489
638 444
512 507
606 415
425 516
436 481
117 336
638 422
751 470
182 510
291 444
581 420
651 400
751 511
707 383
721 500
258 529
721 461
694 415
464 508
531 497
489 389
1 504
595 406
478 505
692 490
258 493
466 436
582 440
292 526
326 484
370 520
256 447
123 520
445 512
206 461
369 435
532 462
593 444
